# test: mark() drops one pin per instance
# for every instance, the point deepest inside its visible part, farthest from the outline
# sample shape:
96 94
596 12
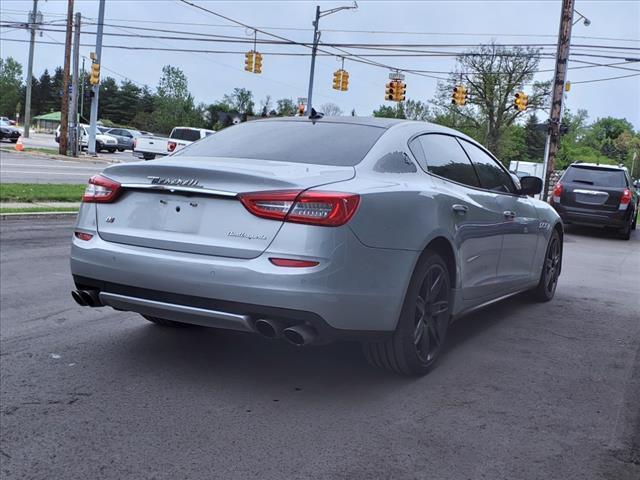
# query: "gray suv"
125 137
313 230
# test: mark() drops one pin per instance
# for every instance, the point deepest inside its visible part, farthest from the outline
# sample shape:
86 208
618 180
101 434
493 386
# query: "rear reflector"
625 199
329 209
287 262
101 190
83 236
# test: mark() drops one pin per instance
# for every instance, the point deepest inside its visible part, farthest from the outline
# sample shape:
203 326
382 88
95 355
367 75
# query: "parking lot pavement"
23 167
524 390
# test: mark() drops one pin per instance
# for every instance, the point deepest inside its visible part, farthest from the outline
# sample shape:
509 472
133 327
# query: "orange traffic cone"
19 144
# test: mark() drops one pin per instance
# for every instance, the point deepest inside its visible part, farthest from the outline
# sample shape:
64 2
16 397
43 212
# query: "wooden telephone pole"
559 79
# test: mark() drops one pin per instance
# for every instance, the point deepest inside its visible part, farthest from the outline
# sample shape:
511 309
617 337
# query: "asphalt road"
25 168
524 390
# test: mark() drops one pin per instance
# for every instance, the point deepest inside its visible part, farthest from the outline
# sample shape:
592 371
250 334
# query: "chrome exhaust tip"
87 298
79 299
269 328
300 335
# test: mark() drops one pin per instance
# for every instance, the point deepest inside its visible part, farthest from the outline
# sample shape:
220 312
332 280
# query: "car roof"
597 166
380 122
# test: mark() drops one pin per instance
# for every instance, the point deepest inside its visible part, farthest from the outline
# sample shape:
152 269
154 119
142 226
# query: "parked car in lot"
124 136
597 195
9 132
369 229
149 147
103 141
8 120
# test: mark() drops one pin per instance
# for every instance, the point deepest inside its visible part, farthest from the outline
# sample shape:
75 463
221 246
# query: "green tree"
417 110
286 107
241 101
492 74
387 111
534 138
173 104
10 86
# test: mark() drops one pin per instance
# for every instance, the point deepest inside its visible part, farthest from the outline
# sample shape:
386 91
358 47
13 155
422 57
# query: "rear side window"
442 155
322 143
185 134
492 176
599 177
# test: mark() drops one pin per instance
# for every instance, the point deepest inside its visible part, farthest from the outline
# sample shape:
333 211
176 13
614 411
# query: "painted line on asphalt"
47 166
4 172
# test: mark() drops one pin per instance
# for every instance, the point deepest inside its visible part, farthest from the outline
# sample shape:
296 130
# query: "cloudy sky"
429 24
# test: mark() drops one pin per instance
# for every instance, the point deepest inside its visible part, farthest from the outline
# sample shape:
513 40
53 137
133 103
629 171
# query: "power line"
606 79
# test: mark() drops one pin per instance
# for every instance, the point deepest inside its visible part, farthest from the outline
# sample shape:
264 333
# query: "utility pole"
557 92
93 121
82 91
64 109
27 103
74 86
314 49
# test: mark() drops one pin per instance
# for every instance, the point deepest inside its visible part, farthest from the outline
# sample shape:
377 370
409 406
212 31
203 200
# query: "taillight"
557 192
171 146
135 143
101 190
83 236
329 209
625 199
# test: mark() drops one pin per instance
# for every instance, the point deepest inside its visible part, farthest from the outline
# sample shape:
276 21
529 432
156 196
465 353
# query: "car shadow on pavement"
212 357
595 232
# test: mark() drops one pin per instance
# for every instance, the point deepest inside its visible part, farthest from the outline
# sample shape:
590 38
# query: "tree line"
492 73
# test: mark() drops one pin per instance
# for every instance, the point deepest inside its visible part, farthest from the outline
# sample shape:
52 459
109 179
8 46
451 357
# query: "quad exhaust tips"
299 335
87 298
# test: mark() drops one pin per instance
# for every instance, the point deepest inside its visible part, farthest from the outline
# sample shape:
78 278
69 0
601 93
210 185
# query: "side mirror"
530 185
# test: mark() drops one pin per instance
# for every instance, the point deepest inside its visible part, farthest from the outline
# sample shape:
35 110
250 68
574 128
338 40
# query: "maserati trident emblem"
178 182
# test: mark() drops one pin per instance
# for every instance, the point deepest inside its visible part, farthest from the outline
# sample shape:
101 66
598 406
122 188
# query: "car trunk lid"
190 204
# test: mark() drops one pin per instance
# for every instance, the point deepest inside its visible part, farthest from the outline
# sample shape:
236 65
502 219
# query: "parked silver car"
377 230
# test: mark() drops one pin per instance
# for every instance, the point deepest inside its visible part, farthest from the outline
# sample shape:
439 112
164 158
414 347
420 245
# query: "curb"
80 158
18 215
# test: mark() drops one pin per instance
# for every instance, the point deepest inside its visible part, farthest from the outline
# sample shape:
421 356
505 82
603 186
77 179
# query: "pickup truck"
149 147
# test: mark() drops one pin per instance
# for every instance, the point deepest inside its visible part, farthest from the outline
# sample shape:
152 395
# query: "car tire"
148 156
625 232
111 150
166 323
98 147
422 327
546 288
121 149
14 140
635 220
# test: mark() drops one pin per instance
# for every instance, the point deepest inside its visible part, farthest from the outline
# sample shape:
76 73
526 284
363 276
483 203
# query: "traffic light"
521 101
94 79
401 90
389 93
301 109
460 95
341 80
337 80
257 63
248 61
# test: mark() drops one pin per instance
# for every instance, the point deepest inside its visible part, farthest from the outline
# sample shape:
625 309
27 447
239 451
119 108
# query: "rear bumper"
592 217
356 292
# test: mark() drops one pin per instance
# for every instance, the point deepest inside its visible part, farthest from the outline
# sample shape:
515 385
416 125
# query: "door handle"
509 214
461 209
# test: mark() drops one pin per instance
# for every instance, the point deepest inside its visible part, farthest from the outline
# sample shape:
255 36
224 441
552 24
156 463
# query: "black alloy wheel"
422 327
546 288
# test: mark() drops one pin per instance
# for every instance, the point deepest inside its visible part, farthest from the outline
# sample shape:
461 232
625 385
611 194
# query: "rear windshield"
599 177
185 134
339 144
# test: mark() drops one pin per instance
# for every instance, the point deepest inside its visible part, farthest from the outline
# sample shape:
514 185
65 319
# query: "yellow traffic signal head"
521 101
389 93
401 90
337 79
94 79
344 84
257 63
248 61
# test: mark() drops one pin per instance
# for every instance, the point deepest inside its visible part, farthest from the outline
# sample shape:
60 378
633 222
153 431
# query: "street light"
316 40
585 21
